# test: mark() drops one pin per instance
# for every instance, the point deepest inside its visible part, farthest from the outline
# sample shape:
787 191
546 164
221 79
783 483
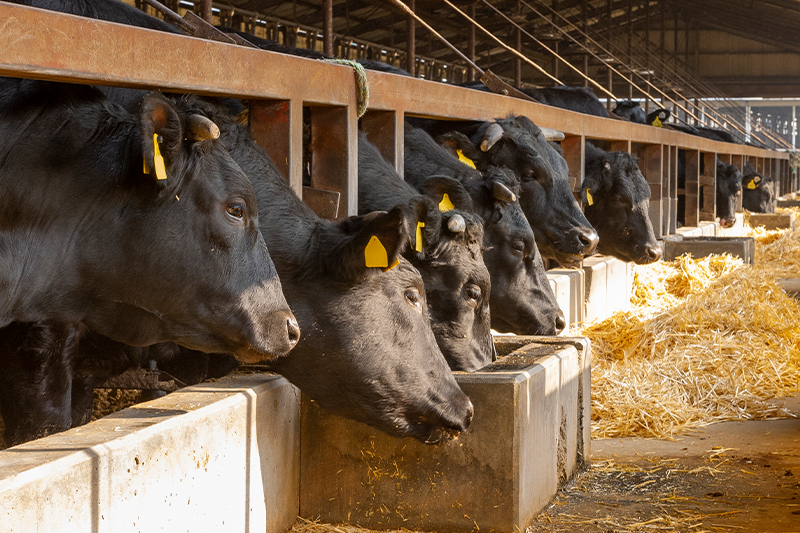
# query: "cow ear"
162 135
590 189
461 147
753 182
425 222
448 193
376 244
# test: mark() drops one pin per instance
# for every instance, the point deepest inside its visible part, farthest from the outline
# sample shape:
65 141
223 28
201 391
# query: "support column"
207 13
411 54
471 46
327 28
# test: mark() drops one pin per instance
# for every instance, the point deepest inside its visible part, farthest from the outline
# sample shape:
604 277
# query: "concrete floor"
732 476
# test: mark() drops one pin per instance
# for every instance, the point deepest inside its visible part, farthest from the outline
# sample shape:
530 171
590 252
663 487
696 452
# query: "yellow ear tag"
144 166
375 254
396 262
420 225
589 199
657 123
464 159
446 205
161 170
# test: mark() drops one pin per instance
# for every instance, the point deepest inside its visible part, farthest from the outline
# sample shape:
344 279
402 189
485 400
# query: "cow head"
522 300
658 117
142 247
457 282
562 231
758 191
630 110
616 200
367 352
729 186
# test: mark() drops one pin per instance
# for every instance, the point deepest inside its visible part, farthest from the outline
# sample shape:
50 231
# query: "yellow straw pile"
706 340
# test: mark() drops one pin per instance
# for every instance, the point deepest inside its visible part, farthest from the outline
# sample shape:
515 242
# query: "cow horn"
493 134
456 224
201 128
503 193
552 135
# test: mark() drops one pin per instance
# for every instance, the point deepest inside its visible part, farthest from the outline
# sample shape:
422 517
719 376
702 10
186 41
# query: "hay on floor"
706 340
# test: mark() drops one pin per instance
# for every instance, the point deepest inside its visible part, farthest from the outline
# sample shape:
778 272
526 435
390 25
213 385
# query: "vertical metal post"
794 127
584 15
630 48
747 125
518 61
327 28
411 54
608 39
555 60
471 51
207 13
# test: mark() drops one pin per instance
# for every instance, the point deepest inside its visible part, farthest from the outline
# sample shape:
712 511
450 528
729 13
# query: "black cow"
758 191
448 255
580 99
368 352
616 200
729 186
630 110
715 134
88 237
562 231
522 300
658 117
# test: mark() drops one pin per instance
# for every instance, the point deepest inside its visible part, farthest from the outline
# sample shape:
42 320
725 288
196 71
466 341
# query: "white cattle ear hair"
607 165
456 224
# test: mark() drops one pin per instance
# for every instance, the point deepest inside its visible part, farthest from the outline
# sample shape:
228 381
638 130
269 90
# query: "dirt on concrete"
732 476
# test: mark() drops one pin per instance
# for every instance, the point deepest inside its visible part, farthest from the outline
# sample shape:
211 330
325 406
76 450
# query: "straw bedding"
706 340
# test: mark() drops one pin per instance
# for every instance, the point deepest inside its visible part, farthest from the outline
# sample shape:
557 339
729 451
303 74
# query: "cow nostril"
561 323
654 253
293 329
589 240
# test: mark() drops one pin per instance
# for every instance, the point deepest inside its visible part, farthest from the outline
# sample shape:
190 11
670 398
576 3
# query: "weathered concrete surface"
772 221
698 247
219 456
568 286
608 286
731 476
526 436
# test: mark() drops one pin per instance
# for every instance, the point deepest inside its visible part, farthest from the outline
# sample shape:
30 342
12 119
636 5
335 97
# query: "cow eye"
236 209
518 248
473 292
414 299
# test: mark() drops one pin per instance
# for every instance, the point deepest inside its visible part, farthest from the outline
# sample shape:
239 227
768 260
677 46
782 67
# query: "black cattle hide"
729 186
521 298
758 191
616 200
457 284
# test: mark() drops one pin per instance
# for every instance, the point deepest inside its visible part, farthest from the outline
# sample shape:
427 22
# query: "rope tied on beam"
362 85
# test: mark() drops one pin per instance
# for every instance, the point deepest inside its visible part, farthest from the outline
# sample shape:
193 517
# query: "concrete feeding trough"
529 434
788 202
608 286
698 247
771 220
219 457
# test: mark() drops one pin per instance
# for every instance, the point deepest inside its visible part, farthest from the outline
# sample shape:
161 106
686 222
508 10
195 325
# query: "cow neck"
292 231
